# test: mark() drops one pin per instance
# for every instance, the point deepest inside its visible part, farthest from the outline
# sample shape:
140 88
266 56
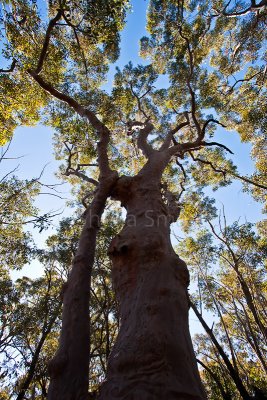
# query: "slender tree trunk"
69 369
153 357
233 373
250 303
250 335
225 395
30 374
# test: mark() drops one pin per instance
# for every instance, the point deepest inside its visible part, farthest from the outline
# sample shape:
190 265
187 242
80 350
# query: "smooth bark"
69 369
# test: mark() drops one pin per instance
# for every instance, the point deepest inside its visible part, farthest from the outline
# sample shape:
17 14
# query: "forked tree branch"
252 8
208 122
102 130
182 148
71 171
138 99
142 142
231 88
170 136
84 112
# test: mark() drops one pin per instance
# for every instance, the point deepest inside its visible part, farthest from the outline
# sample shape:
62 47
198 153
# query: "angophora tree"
57 66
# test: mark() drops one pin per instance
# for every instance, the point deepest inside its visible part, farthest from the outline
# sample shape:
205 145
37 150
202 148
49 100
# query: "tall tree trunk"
69 369
153 357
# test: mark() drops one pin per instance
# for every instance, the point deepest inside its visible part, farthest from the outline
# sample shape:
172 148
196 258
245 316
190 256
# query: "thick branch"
50 27
216 144
182 148
184 179
81 110
188 82
142 142
102 130
69 369
81 175
245 179
172 132
181 125
102 152
207 123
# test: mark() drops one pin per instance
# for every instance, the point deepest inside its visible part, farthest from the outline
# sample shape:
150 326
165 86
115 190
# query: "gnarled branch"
142 142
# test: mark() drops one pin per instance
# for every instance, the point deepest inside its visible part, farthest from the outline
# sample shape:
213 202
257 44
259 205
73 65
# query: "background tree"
234 291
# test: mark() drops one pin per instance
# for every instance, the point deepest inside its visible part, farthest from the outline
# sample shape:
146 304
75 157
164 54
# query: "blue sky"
35 144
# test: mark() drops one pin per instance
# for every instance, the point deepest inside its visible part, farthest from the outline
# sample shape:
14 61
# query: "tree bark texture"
153 358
